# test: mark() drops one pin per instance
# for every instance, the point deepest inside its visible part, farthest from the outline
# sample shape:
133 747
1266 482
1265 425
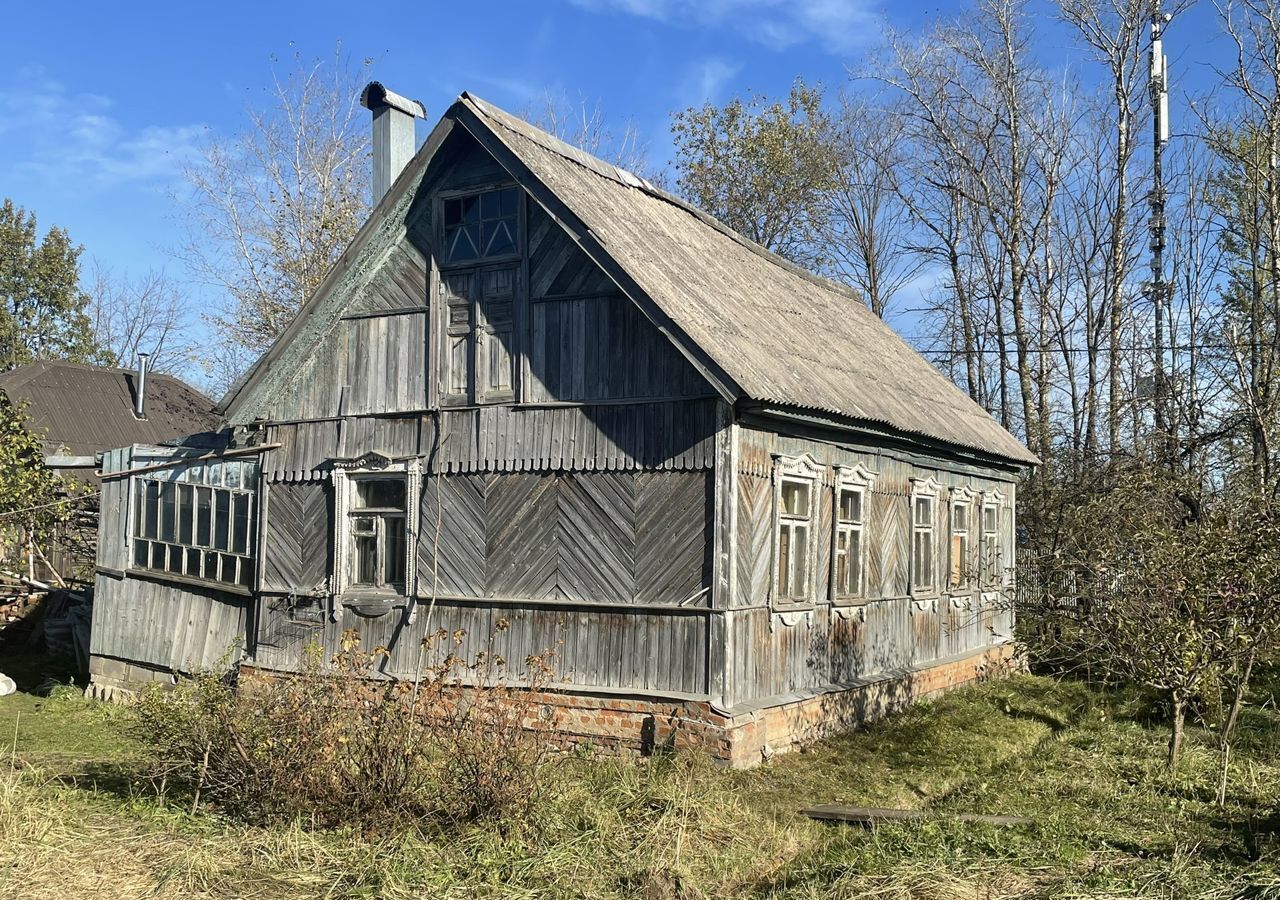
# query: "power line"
77 499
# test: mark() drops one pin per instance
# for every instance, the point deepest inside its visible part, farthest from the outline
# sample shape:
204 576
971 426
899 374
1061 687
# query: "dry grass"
1087 766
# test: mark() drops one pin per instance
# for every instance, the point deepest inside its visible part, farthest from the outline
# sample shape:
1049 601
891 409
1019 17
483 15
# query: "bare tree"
866 224
147 313
585 125
270 210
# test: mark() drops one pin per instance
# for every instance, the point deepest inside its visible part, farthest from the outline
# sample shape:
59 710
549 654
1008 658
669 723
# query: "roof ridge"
628 179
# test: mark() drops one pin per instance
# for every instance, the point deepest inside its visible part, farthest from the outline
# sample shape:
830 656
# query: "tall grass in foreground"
1086 764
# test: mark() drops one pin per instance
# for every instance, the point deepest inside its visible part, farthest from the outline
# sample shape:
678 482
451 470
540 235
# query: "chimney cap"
375 95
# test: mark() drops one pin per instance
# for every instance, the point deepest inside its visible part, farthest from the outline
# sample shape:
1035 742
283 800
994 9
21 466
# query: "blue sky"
101 103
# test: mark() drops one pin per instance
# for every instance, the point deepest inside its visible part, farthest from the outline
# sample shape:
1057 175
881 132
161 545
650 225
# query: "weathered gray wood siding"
771 654
616 650
604 537
164 625
373 358
586 341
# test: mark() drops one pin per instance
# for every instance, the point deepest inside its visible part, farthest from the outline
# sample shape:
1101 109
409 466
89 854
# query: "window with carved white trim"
196 520
961 563
924 516
795 497
376 506
992 557
849 550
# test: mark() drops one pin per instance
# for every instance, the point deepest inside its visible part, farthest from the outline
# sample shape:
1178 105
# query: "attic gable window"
924 514
849 553
376 506
195 521
480 226
795 501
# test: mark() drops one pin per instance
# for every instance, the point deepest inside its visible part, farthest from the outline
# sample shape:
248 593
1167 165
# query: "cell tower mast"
1159 92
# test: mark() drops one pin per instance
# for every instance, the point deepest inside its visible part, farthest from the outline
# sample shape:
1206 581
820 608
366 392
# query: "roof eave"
783 413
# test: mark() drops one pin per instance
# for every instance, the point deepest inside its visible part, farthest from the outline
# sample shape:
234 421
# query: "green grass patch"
1085 764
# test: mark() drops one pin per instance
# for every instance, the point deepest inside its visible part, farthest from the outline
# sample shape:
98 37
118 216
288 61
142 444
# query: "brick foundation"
740 737
745 737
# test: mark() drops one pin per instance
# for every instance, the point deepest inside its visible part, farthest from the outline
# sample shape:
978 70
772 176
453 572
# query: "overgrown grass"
1086 765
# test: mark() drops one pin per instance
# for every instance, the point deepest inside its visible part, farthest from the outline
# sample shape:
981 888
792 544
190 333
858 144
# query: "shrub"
338 744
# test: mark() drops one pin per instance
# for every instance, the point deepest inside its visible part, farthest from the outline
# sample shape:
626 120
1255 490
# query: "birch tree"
269 210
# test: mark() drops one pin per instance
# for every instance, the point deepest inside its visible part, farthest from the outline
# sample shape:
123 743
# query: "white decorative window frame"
961 495
344 473
806 469
862 480
924 488
993 499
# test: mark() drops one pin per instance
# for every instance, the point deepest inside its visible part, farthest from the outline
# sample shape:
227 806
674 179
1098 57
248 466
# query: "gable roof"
758 327
82 409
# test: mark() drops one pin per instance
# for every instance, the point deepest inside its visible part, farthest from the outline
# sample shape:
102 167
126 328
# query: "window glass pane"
508 202
213 474
795 498
800 548
452 212
231 474
195 473
168 512
989 518
393 553
498 239
158 556
240 524
850 506
366 558
204 516
855 563
924 511
362 525
211 565
140 553
193 563
960 517
842 562
186 509
175 560
151 509
222 520
380 493
490 205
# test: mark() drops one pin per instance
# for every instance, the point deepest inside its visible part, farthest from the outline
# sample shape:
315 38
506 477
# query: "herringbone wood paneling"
754 532
617 537
296 537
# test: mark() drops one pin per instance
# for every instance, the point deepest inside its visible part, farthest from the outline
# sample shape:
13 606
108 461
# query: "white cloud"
73 140
840 26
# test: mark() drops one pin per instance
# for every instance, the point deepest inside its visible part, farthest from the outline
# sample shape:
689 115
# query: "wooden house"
741 509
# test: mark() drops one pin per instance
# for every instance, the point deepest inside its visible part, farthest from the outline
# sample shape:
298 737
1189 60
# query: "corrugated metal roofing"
82 410
783 335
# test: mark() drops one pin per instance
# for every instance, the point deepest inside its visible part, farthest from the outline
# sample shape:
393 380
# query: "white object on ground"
7 686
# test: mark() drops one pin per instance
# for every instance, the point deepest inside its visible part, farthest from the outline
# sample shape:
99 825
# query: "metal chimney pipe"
394 142
140 391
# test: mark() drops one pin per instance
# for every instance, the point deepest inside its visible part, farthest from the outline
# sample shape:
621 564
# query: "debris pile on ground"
44 618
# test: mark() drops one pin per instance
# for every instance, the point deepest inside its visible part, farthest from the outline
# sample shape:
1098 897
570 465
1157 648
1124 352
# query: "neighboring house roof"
82 410
757 326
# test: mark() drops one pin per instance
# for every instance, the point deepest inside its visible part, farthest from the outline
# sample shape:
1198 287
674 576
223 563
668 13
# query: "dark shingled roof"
784 335
82 410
